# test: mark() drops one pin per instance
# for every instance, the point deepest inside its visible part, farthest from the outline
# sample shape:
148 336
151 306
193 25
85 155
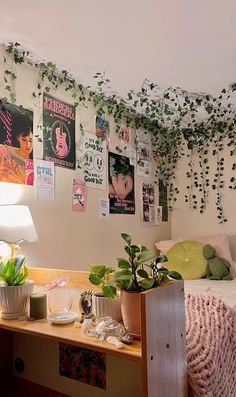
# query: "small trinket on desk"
126 337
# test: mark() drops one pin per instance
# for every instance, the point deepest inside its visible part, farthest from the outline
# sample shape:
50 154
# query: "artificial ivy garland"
181 123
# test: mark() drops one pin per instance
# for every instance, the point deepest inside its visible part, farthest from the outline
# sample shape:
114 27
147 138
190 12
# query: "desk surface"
69 334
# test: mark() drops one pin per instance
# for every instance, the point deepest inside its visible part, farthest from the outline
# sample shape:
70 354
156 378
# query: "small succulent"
13 272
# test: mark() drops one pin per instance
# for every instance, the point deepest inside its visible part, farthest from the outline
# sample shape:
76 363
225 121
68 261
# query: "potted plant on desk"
14 287
102 306
136 274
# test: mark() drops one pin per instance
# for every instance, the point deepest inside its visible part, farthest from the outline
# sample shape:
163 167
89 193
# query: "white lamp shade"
16 224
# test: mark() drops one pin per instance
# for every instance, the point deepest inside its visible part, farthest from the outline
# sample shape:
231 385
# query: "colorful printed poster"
83 365
148 203
125 135
163 200
58 132
158 215
44 179
103 208
95 162
121 185
16 145
102 128
79 195
144 153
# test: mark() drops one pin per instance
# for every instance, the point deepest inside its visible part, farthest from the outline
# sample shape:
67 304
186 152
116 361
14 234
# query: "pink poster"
79 195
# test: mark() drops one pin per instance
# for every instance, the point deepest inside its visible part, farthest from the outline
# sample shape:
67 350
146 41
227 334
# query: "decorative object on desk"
38 306
133 279
85 306
61 318
87 324
108 327
85 302
102 306
16 225
59 296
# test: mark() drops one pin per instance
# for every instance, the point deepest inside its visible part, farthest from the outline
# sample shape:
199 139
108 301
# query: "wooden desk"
161 353
70 334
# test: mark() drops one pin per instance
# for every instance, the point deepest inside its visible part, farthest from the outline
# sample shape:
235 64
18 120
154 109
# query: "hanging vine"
181 123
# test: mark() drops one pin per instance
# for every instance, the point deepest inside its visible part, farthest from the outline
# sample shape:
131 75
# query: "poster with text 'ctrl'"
44 181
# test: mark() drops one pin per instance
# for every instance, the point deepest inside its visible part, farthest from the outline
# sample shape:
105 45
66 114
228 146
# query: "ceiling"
186 43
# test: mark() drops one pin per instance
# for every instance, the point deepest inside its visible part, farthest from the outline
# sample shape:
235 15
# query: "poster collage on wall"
99 168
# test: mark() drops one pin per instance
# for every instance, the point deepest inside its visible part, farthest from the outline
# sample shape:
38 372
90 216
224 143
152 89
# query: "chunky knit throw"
211 347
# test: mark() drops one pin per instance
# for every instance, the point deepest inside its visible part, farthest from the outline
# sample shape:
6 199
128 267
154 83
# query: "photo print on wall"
58 132
148 203
121 184
16 145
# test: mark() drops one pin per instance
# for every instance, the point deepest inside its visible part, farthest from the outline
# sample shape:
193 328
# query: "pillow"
165 245
220 243
186 258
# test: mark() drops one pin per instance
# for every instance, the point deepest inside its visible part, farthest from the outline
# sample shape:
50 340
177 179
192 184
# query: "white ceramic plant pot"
102 307
13 300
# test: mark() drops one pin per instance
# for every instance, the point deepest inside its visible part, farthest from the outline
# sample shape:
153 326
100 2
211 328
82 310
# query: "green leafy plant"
100 275
13 272
134 273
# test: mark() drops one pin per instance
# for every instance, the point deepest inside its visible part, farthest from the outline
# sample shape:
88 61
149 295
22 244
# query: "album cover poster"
121 184
16 144
58 132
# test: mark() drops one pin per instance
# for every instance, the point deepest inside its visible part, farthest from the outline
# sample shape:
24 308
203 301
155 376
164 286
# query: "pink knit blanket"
211 347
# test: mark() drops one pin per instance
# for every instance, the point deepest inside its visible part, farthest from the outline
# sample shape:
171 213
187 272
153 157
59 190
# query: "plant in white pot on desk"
136 274
15 288
102 305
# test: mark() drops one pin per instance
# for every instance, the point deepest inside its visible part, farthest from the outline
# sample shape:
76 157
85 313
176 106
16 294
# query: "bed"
210 308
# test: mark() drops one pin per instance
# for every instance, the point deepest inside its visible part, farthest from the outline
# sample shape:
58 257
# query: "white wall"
68 239
187 223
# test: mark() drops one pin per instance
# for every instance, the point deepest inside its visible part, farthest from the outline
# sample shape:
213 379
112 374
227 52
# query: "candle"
38 306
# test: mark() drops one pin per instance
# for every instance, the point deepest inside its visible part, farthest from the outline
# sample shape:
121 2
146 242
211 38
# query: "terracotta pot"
130 310
102 307
14 300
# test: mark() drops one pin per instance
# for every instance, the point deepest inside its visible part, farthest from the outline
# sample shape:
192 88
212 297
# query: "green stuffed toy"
217 268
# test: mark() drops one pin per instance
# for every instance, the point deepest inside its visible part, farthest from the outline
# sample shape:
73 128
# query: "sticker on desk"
84 365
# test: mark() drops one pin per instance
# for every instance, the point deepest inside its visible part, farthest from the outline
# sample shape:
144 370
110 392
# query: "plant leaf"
161 259
94 279
126 237
123 263
123 275
175 275
109 291
145 256
146 284
143 273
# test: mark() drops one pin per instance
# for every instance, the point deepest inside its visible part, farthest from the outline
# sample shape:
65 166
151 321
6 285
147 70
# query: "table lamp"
16 225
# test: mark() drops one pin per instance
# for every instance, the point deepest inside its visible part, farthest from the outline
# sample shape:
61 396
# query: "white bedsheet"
226 290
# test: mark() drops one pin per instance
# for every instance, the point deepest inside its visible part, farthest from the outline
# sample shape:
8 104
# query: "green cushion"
186 258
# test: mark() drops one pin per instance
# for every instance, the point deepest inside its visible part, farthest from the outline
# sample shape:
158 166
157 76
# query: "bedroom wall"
187 223
70 239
